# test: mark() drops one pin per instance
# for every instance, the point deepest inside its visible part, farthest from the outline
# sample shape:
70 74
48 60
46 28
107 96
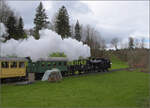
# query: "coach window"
4 65
79 63
59 63
43 64
55 64
33 64
13 65
65 63
21 65
49 64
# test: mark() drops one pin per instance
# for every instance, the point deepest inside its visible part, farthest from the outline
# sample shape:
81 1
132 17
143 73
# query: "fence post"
31 77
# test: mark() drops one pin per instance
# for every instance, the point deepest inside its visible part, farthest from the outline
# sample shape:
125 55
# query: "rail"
76 75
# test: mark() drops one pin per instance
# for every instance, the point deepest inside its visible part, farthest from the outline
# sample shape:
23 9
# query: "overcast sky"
111 18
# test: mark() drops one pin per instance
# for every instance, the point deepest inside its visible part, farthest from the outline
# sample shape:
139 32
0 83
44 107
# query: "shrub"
58 54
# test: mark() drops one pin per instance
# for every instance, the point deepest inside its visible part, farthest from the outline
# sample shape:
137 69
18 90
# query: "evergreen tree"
77 31
11 27
20 31
40 20
62 26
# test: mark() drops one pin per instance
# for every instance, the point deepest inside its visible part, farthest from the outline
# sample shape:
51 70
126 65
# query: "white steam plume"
48 43
2 31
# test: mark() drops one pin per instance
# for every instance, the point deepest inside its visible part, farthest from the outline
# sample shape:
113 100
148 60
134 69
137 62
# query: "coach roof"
13 59
53 59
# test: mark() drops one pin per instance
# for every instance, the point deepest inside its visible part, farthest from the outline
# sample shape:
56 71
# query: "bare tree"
114 43
72 31
124 45
142 44
87 35
136 43
131 43
102 44
95 41
82 33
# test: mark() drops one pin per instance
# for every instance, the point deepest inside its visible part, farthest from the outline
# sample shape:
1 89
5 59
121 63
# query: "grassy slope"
117 63
122 89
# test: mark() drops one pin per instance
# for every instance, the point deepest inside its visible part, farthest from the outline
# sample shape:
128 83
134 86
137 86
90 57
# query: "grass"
117 63
116 89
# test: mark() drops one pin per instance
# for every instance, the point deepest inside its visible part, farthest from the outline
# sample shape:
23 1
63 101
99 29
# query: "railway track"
113 70
22 82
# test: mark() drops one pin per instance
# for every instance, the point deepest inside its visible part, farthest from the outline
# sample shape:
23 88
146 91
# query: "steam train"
19 67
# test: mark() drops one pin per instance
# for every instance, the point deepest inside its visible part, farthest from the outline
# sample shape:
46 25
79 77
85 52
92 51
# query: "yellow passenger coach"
12 67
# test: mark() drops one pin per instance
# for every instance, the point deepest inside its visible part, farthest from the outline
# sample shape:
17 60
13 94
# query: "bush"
58 54
13 55
135 57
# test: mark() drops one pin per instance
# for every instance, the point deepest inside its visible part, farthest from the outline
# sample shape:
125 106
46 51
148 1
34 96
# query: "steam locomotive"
20 66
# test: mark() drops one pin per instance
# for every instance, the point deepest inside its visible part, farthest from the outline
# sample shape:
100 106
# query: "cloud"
121 19
74 8
27 9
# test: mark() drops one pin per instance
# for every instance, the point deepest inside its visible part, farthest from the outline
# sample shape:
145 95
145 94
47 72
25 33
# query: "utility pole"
0 27
0 39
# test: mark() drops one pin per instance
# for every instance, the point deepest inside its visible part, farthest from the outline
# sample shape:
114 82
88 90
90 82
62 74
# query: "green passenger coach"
43 64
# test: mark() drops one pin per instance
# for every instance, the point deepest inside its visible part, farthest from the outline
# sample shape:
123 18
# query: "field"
115 89
117 63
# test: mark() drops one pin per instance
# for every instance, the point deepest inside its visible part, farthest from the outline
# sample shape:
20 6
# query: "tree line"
133 43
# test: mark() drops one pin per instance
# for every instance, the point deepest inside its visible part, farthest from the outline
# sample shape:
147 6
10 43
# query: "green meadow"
114 89
117 63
